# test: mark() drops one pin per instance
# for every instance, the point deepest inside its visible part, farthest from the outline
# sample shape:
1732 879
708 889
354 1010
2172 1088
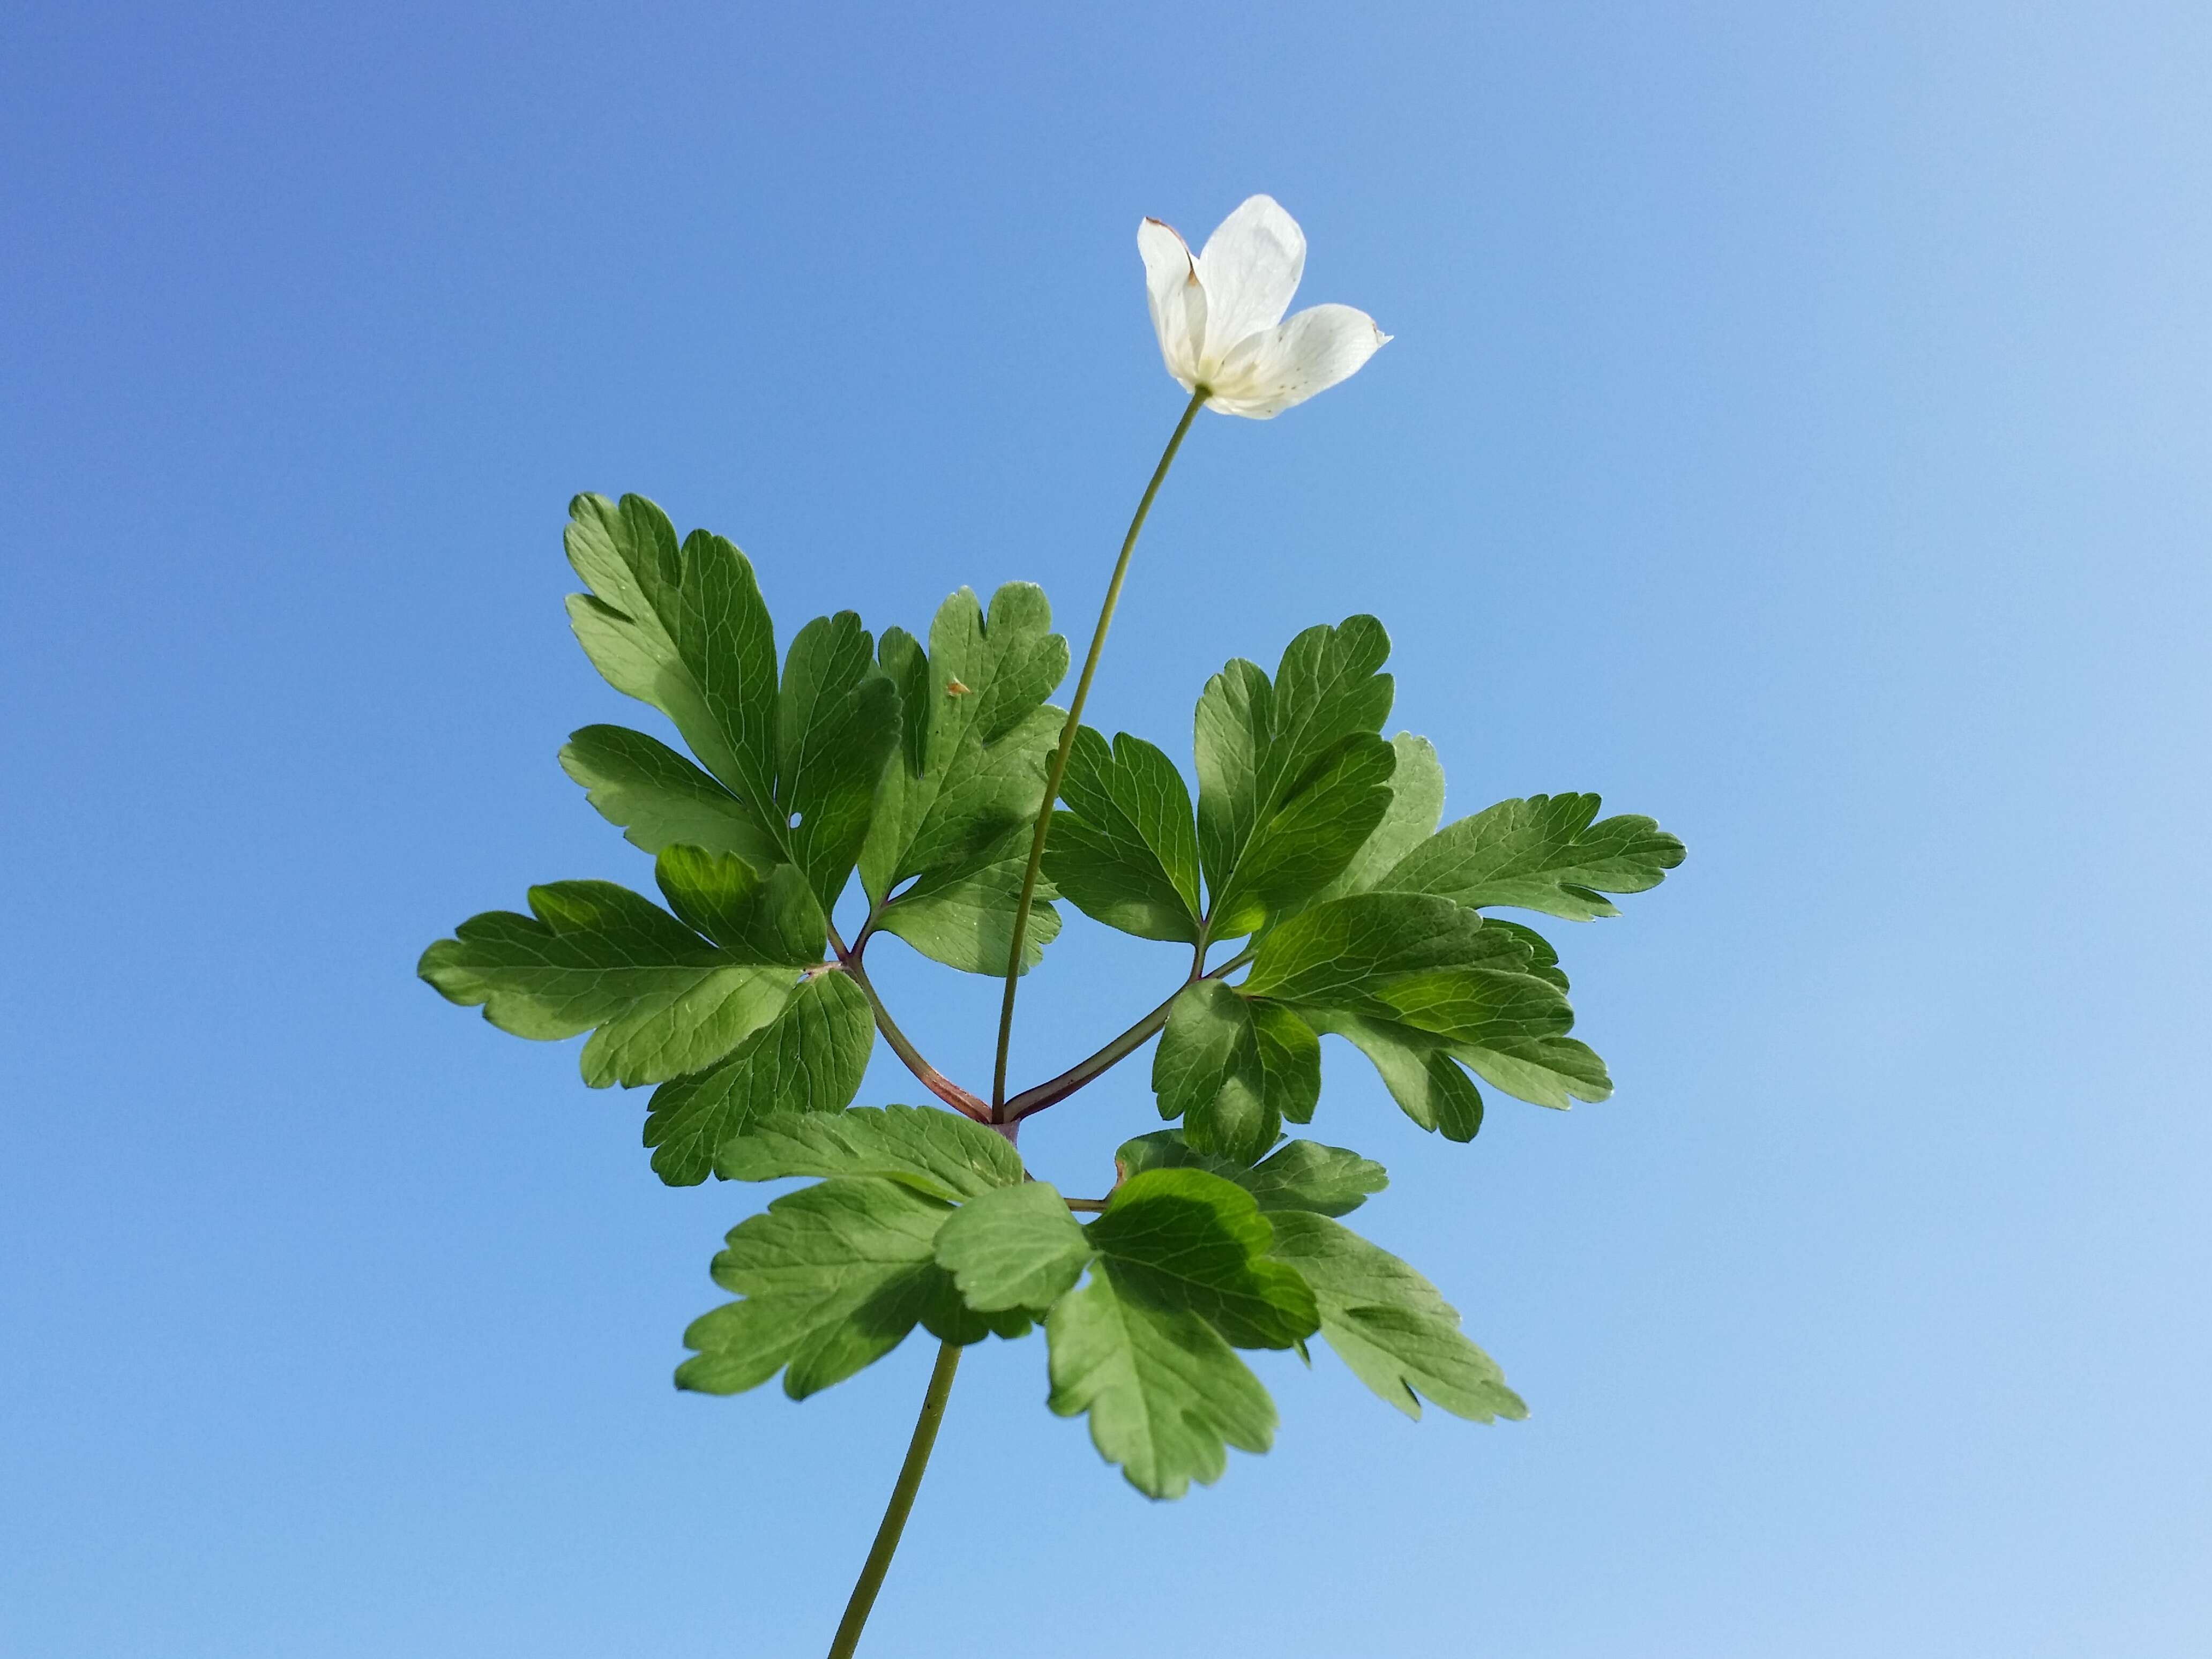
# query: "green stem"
959 1099
909 1482
1058 769
1053 1090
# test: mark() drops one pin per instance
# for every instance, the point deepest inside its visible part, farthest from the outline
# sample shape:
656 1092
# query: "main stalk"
948 1355
1058 767
909 1482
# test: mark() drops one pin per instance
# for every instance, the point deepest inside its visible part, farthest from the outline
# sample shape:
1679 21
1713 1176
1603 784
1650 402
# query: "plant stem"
1053 1090
1058 769
909 1482
961 1100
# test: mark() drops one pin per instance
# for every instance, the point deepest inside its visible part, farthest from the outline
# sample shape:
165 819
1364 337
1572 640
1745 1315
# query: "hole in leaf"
795 817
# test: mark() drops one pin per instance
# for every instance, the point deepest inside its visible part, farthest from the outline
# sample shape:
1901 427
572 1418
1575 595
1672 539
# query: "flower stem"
909 1482
1058 769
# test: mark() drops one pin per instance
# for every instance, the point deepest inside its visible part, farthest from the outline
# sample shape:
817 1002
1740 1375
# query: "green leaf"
1208 1071
1543 960
1552 1070
771 918
1543 854
660 799
969 776
1306 844
1192 1243
659 1001
1167 1149
1290 1062
1259 742
948 1318
686 630
983 731
964 916
938 1153
1233 1069
1300 1174
1166 1395
1509 1026
1417 803
833 1276
1418 1069
1014 1248
1343 953
837 723
1406 976
1126 851
1389 1324
810 1058
906 663
1294 780
1304 1175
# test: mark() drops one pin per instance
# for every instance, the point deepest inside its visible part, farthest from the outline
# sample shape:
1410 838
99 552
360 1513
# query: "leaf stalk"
964 1100
1052 1091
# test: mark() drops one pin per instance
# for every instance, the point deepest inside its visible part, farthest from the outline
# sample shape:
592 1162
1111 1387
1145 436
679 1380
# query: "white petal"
1311 353
1178 302
1251 268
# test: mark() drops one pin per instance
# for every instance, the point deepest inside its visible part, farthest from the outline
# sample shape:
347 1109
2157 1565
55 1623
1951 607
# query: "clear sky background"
1797 429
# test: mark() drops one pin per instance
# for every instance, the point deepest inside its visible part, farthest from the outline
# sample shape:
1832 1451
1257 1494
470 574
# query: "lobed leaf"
833 1277
659 999
969 778
1418 982
1126 850
1208 1071
837 724
759 917
1190 1241
658 797
1259 741
1543 960
683 629
937 1153
1013 1248
1310 837
1297 799
1304 1175
963 915
1417 804
1300 1174
686 630
1389 1325
1166 1394
1290 1062
810 1058
1341 954
1546 854
1419 1071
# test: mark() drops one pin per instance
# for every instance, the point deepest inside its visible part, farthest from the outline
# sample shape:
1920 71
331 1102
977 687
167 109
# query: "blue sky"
1796 429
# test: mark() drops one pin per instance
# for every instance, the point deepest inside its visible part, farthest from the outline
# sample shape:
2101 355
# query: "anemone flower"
1220 314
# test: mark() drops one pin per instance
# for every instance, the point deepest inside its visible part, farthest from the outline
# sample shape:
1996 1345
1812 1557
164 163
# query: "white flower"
1220 314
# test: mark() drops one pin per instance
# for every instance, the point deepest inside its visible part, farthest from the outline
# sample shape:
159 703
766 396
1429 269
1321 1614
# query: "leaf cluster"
1318 842
922 1218
1311 879
921 767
